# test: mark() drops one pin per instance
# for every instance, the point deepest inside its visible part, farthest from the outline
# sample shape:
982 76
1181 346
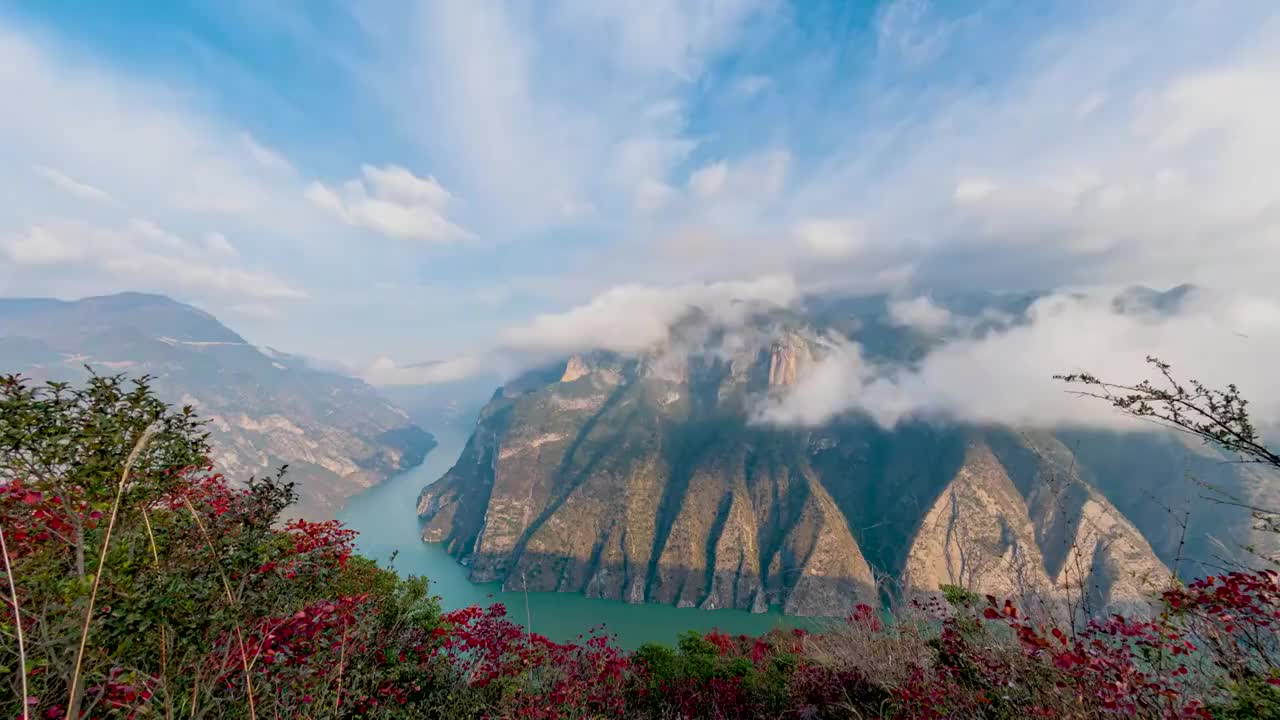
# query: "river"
386 518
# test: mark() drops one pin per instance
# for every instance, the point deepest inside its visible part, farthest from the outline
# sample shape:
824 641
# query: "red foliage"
553 680
33 517
328 538
1115 666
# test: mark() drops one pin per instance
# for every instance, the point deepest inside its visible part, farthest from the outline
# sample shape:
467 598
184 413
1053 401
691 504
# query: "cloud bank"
1004 375
142 254
633 318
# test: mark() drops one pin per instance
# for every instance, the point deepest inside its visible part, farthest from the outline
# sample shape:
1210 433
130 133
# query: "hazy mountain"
265 408
644 479
452 405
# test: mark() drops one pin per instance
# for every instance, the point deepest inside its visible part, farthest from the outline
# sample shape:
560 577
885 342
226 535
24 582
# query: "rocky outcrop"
1056 542
978 534
575 368
788 357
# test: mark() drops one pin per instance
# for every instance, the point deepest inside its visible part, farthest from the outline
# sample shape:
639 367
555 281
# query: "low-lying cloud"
632 318
1005 375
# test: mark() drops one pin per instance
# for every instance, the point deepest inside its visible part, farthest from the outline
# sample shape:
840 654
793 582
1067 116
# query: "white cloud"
1101 162
709 180
218 245
919 313
635 317
75 258
567 104
907 30
74 187
652 195
392 201
659 36
1096 158
1005 376
140 141
265 156
973 189
828 238
728 200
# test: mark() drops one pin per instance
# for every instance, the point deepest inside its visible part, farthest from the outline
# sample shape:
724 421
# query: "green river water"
386 520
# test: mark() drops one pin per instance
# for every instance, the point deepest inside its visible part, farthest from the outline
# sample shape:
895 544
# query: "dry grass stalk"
226 586
73 703
889 652
17 621
342 659
164 641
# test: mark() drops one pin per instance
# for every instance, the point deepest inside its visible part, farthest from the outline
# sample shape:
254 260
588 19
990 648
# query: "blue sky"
397 182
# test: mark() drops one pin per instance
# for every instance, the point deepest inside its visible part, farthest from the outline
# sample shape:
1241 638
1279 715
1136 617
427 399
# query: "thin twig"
17 621
73 702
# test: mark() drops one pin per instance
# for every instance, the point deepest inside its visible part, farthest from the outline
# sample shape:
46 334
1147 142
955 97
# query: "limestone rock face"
1060 543
978 534
574 369
620 482
643 479
788 357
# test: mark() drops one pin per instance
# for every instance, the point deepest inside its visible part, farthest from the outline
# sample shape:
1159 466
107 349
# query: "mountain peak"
131 297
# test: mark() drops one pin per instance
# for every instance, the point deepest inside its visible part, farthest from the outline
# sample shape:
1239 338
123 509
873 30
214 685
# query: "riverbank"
386 518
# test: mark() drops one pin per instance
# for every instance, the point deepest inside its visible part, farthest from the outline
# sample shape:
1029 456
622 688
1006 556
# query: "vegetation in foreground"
139 583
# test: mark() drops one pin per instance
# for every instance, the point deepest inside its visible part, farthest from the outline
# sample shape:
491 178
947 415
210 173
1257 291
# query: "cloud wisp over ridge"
1003 373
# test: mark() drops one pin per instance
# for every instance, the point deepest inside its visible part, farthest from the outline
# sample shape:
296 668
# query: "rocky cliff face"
264 408
640 479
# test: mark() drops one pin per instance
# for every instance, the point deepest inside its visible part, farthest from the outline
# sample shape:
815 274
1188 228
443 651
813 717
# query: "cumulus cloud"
919 313
137 256
392 201
1089 156
572 104
830 239
1004 376
636 317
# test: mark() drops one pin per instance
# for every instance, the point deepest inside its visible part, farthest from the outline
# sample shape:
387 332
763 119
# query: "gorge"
650 478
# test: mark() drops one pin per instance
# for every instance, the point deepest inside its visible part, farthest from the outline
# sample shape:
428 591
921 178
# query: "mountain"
452 404
265 408
644 479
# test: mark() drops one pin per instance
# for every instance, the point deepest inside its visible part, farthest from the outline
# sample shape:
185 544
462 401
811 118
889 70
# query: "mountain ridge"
642 478
264 408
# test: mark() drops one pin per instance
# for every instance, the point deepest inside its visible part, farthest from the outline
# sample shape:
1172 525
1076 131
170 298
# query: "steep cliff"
642 479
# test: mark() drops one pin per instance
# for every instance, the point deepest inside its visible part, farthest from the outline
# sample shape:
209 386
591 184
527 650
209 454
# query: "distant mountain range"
642 478
265 408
